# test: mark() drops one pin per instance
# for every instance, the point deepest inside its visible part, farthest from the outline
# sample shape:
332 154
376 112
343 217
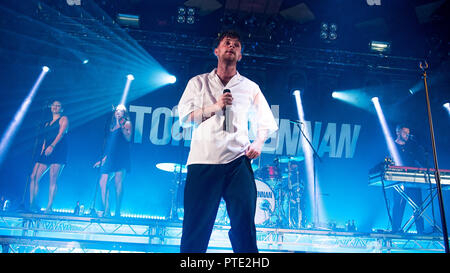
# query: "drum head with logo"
265 202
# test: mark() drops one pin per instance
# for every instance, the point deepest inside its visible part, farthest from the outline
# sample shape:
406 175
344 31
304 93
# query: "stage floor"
60 233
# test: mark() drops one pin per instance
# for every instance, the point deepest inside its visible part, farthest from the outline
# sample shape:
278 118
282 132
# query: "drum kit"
280 193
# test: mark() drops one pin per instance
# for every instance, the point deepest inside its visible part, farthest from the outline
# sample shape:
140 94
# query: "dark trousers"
206 184
399 208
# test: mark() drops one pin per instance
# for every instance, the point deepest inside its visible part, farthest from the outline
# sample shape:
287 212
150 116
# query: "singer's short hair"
52 100
227 33
58 100
401 126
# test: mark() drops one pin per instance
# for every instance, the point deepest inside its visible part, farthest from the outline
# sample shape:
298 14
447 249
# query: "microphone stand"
424 67
315 155
22 206
92 211
173 213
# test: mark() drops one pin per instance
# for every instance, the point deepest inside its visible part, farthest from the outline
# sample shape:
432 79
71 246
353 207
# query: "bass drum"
265 202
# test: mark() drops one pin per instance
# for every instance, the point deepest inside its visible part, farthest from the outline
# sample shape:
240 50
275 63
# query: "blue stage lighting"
355 97
130 78
14 125
447 106
379 46
171 79
387 135
314 189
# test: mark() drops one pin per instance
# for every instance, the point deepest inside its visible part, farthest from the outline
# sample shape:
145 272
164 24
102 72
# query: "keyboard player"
411 154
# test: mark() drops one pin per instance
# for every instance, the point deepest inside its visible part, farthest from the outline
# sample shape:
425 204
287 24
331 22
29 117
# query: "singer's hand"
254 150
122 122
100 163
224 100
49 150
97 164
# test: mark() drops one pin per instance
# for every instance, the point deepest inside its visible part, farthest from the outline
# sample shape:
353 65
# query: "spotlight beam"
309 162
387 135
130 78
447 107
135 53
14 125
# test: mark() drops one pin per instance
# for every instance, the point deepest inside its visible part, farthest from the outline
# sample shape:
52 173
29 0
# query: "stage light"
379 46
14 125
190 20
85 61
181 19
171 79
387 135
447 106
328 32
313 188
354 97
333 27
73 2
128 20
181 10
333 36
191 11
130 78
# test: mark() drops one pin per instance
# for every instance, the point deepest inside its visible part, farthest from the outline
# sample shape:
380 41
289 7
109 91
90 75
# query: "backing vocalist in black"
116 159
53 155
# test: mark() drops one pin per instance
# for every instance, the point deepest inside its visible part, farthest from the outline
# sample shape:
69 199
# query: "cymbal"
171 167
287 159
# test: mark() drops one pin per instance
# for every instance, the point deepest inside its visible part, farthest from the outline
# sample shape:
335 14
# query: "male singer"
220 105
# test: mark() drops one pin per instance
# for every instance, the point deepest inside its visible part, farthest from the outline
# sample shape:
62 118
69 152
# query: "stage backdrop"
348 139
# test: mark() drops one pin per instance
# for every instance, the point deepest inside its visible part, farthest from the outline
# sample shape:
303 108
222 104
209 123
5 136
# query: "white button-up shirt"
210 143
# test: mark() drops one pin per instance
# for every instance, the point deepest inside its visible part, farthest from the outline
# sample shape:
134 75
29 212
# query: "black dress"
59 154
117 151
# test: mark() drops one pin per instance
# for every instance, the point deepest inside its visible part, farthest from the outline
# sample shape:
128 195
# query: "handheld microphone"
224 111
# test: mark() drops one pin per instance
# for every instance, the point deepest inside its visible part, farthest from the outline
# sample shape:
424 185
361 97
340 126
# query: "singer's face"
119 114
56 107
403 134
229 50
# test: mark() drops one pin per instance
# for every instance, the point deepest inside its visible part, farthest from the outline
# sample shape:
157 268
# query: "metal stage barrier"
53 233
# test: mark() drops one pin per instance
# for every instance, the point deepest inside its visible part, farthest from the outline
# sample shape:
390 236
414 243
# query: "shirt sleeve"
189 102
263 114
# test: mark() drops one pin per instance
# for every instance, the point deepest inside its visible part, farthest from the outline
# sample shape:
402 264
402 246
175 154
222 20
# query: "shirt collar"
236 77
